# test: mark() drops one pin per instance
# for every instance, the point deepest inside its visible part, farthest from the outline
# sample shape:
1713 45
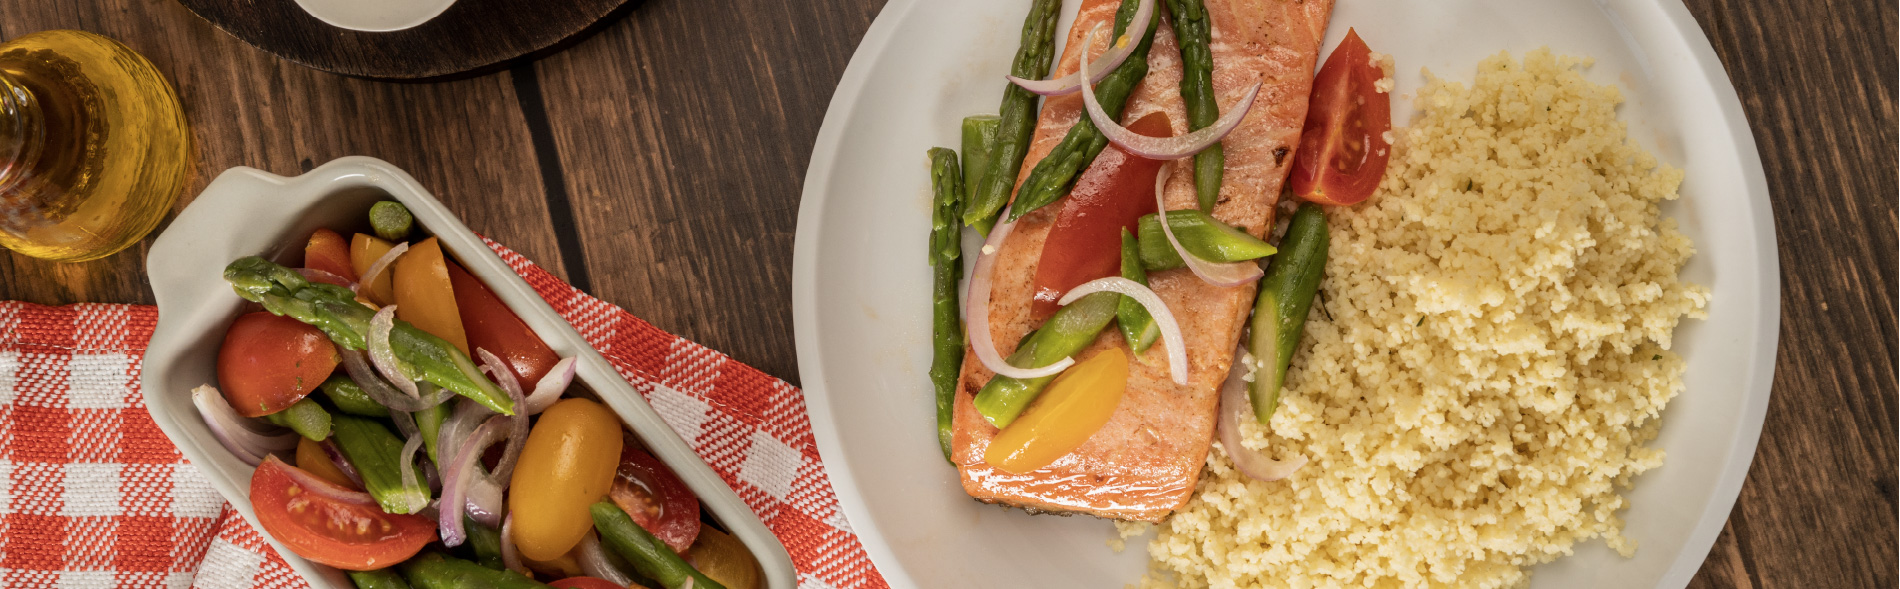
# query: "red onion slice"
357 364
551 386
1215 273
315 275
417 501
484 503
510 557
1234 407
456 477
327 489
376 268
1109 60
383 356
594 562
1164 319
517 438
499 372
1163 148
342 463
251 440
978 311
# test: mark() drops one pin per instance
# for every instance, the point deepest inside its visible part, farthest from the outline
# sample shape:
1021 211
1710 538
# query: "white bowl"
375 16
861 290
247 212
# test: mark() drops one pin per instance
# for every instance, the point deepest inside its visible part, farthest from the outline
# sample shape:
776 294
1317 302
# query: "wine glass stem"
21 131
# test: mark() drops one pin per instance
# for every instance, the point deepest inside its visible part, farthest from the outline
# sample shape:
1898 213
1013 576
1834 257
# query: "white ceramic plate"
247 212
861 289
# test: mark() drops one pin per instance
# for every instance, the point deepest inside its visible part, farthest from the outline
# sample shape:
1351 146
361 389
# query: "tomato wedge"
491 326
1343 147
1085 243
327 251
656 498
424 296
332 525
269 362
584 583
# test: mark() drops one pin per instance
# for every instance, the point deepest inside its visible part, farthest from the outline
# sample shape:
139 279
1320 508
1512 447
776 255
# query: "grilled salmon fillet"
1144 463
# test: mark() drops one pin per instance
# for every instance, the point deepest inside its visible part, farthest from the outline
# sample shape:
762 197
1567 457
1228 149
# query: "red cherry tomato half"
656 498
491 326
1085 243
584 583
269 362
328 251
1343 148
332 525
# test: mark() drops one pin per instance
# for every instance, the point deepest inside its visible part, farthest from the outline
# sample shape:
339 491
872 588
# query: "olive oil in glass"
93 146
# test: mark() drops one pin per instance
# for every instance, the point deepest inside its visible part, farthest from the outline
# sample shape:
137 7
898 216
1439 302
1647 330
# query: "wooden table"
658 166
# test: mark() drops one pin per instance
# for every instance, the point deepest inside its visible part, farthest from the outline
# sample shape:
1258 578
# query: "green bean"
1197 90
391 220
350 398
1137 325
305 417
1064 334
378 579
435 571
1055 174
429 423
1017 122
1279 313
946 250
1202 235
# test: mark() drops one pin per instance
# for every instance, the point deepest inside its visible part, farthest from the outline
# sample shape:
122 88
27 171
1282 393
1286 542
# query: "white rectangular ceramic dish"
249 212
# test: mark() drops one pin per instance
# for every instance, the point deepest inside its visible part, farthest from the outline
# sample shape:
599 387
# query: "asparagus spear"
1197 90
1018 111
305 417
378 579
1064 334
435 571
377 455
1056 173
334 310
1137 324
979 151
648 554
1279 313
946 249
1201 234
391 220
350 398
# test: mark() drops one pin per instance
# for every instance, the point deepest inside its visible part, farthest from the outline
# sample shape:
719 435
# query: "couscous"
1488 359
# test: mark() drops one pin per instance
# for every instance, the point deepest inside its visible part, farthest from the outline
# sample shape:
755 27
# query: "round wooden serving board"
472 37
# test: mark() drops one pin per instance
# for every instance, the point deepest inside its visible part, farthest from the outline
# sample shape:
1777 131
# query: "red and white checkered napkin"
92 494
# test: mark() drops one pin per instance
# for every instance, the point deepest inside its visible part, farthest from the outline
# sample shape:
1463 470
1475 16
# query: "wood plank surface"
658 165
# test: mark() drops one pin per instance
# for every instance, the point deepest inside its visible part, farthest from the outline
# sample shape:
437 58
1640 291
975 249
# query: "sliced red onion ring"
517 437
484 502
376 268
383 356
456 477
1164 319
327 489
315 275
357 364
510 557
595 563
1163 148
1109 60
978 312
499 372
1215 273
467 416
551 386
405 423
342 463
408 470
251 440
1234 407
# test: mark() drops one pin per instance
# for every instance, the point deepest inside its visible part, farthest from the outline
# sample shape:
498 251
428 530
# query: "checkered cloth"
92 494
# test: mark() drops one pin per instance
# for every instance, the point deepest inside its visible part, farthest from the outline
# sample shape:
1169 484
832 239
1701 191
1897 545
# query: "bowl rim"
263 200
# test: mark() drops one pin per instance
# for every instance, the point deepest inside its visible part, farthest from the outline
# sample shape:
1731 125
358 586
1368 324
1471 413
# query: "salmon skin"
1144 463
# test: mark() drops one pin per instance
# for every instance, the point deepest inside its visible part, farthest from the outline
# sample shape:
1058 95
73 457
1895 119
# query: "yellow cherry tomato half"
365 249
568 464
1077 404
312 458
725 559
425 297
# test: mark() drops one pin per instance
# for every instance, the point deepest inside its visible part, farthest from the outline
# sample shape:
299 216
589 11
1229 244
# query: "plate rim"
1686 31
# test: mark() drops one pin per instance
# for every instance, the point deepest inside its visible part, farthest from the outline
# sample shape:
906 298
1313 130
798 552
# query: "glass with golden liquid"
93 146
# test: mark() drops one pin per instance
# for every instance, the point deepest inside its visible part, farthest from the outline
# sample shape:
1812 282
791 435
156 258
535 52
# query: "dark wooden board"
659 163
470 38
